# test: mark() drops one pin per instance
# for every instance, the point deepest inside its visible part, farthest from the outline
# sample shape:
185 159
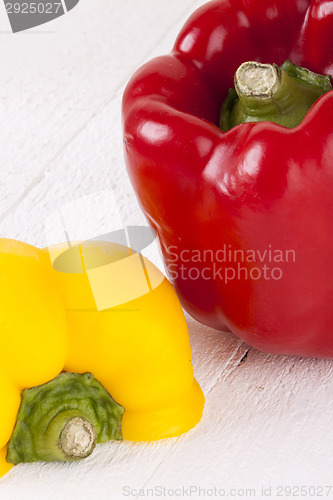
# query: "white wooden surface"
268 419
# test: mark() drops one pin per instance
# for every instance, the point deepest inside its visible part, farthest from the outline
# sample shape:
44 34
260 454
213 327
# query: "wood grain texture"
267 418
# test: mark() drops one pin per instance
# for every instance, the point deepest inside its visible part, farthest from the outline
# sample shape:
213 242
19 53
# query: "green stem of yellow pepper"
69 437
63 420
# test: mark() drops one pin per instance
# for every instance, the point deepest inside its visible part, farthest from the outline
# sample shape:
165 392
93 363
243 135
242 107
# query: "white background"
268 421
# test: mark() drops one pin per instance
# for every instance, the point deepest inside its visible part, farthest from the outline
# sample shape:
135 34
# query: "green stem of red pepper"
267 92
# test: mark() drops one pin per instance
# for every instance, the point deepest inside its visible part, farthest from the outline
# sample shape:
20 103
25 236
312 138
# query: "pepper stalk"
267 92
63 420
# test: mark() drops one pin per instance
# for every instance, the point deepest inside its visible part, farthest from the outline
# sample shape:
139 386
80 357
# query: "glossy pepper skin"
138 350
258 187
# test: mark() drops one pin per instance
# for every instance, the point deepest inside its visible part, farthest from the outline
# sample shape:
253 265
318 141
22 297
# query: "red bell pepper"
244 217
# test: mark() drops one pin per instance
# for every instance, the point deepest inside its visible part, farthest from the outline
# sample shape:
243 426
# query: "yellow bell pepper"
94 307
